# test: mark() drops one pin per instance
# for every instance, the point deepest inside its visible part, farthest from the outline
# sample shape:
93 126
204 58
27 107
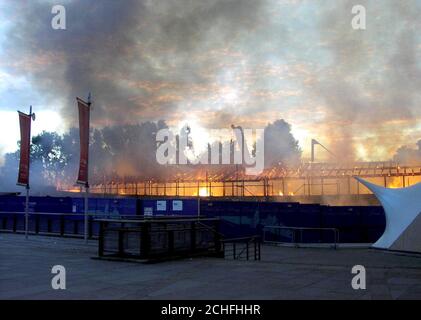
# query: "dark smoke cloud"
151 60
137 57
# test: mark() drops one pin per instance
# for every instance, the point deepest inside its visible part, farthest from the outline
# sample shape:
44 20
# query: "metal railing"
297 234
158 239
45 223
63 224
239 248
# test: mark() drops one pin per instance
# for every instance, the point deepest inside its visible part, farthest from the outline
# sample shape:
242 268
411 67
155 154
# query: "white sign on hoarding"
161 205
177 205
148 211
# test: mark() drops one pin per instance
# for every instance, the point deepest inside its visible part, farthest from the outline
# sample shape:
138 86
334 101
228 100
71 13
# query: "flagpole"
26 211
27 185
86 211
87 182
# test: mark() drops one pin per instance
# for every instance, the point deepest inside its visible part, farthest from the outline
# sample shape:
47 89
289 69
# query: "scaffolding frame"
307 179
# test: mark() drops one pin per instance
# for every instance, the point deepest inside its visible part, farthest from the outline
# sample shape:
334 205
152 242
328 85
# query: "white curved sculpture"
402 207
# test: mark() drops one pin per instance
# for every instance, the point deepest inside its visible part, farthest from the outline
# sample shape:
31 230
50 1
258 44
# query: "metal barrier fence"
239 248
296 235
140 237
58 224
155 239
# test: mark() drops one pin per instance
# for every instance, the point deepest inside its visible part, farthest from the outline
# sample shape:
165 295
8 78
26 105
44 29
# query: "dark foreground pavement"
283 273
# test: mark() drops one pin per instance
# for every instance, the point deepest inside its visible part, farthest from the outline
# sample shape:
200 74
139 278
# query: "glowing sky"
218 62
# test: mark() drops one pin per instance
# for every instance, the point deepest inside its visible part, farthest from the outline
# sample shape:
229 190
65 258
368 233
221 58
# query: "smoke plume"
138 58
245 62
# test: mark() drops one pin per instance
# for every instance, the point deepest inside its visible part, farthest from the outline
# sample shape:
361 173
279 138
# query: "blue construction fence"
356 224
60 215
64 215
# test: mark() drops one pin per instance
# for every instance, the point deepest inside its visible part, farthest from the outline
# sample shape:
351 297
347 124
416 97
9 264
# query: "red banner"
25 136
84 113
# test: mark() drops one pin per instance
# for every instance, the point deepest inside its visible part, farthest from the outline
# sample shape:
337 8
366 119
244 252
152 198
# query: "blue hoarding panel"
157 207
239 218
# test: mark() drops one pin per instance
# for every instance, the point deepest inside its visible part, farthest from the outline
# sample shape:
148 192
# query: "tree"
408 156
48 158
280 145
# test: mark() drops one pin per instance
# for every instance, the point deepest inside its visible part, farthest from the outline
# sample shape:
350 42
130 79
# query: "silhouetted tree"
280 145
408 156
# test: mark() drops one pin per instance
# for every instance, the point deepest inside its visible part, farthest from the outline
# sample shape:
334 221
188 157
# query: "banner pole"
87 177
27 211
198 207
86 211
32 117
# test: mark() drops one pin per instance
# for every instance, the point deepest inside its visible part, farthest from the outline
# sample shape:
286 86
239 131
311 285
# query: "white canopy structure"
402 207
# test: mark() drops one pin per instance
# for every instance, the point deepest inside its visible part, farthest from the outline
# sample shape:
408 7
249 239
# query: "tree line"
120 152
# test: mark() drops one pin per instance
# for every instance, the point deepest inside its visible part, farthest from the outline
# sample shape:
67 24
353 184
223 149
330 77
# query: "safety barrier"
158 239
272 234
239 248
57 224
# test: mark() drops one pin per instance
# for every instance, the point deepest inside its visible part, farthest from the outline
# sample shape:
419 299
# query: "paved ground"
284 273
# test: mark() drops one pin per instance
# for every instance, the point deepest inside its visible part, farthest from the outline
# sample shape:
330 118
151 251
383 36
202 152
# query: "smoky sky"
374 75
136 57
230 61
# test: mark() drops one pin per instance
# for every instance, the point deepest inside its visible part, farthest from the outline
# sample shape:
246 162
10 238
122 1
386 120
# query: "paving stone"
283 273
